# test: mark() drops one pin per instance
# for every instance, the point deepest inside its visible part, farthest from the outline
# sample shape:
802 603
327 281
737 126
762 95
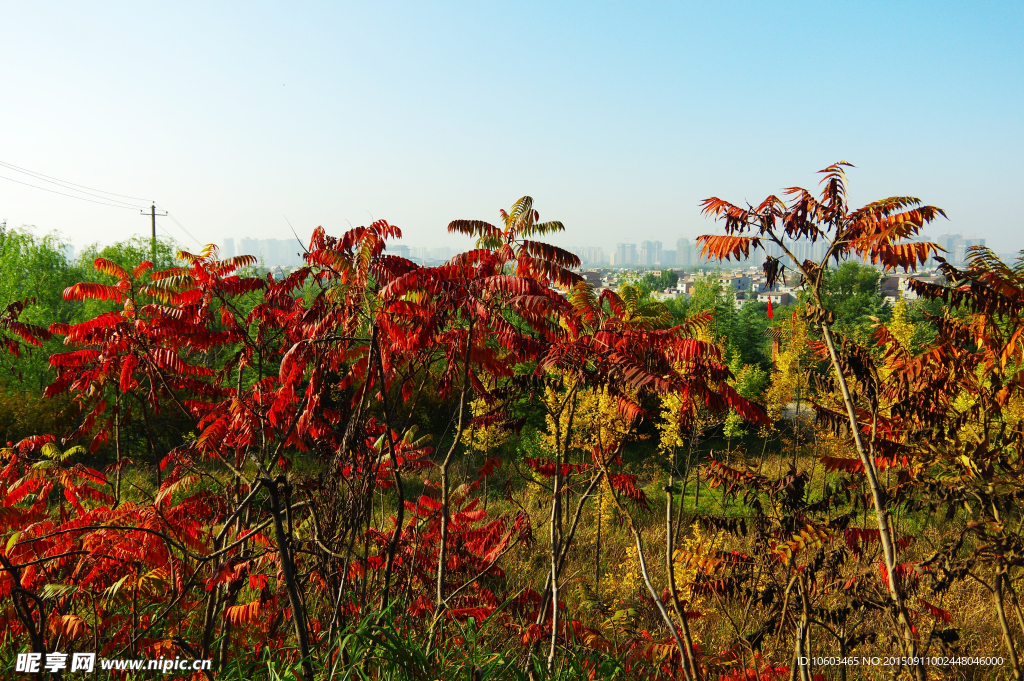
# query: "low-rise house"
735 282
776 297
908 294
889 287
896 287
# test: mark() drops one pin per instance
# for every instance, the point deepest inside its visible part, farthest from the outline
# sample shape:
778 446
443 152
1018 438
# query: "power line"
187 233
80 198
169 235
126 204
180 226
69 185
81 189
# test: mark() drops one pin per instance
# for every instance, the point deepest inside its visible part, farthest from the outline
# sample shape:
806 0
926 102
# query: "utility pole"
152 215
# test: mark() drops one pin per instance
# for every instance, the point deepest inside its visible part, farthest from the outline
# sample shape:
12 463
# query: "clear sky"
618 118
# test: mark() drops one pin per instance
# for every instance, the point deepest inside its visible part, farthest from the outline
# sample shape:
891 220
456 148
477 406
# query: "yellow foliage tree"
484 438
788 381
900 325
580 419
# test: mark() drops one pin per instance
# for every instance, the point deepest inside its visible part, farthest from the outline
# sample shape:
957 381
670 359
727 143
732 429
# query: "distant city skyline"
650 253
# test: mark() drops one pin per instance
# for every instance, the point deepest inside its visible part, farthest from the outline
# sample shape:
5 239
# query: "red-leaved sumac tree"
284 515
879 233
299 471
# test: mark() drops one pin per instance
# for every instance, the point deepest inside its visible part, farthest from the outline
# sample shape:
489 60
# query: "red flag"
769 307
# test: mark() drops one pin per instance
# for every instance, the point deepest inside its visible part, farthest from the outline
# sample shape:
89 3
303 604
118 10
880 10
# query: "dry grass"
622 607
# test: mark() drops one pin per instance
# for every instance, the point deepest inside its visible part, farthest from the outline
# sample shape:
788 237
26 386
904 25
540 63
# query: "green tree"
709 296
667 279
130 253
852 292
679 306
748 333
750 382
34 268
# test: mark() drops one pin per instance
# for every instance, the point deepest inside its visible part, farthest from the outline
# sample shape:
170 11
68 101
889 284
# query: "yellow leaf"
12 541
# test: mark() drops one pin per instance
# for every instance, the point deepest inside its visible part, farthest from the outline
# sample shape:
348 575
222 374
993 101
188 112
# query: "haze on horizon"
618 118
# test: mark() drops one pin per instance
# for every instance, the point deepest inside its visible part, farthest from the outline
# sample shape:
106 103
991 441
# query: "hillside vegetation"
371 469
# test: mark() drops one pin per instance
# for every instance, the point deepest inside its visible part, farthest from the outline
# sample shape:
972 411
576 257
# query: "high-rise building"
650 253
427 255
625 255
400 250
591 255
249 246
803 250
282 253
956 246
968 243
668 258
268 252
278 252
686 256
775 251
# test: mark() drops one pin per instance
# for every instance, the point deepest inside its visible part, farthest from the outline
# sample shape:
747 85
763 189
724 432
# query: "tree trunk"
294 599
117 448
689 664
997 598
803 633
210 617
556 527
1008 583
880 504
399 489
597 547
638 539
445 482
554 531
565 543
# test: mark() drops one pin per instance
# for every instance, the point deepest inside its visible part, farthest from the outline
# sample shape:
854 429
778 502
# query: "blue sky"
618 118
